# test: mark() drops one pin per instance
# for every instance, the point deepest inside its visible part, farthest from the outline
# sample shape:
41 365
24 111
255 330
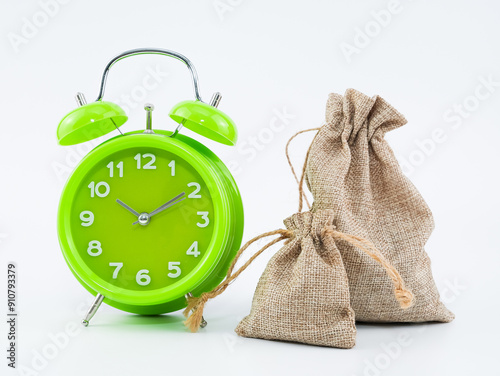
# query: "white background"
265 57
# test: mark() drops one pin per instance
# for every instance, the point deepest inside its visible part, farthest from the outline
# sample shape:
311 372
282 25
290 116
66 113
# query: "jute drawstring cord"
196 304
302 195
404 296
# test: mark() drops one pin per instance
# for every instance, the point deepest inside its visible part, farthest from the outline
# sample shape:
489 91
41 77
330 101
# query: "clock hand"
127 207
166 205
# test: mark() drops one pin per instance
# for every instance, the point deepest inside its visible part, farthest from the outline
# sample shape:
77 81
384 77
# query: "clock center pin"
144 219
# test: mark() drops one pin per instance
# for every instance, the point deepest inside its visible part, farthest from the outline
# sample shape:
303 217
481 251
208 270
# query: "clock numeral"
197 188
111 167
172 167
95 189
87 218
117 266
142 278
175 267
94 248
204 216
193 250
147 166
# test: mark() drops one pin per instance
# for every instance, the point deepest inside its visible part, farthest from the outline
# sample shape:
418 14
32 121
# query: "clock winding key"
149 117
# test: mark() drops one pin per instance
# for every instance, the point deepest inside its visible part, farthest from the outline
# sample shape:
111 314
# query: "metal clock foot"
203 321
93 309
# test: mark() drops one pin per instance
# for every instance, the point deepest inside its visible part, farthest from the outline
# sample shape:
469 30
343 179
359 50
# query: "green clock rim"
203 268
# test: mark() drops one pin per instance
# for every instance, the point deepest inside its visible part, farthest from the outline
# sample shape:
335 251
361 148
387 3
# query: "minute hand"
166 205
169 203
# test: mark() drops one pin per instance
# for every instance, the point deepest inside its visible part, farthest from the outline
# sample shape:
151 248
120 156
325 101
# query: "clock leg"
93 309
203 321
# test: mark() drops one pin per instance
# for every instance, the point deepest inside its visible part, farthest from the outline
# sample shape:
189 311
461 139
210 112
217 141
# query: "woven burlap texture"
352 170
303 294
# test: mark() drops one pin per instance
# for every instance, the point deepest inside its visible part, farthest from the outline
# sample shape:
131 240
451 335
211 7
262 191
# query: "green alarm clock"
149 217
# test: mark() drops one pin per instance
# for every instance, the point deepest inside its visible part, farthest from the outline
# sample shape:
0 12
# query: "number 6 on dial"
142 278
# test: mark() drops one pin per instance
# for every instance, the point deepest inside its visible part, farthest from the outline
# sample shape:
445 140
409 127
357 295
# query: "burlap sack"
303 294
352 170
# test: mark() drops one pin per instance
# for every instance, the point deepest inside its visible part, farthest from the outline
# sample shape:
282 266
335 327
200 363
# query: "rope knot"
405 297
309 224
328 230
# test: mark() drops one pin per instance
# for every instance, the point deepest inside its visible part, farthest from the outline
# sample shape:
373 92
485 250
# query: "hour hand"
127 207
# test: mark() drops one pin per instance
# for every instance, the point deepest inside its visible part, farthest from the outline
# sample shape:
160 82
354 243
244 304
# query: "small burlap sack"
303 295
352 170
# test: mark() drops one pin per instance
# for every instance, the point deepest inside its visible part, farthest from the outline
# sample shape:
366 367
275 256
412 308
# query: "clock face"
161 246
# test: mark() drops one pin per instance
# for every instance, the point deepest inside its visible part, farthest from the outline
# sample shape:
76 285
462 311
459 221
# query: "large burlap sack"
303 294
352 170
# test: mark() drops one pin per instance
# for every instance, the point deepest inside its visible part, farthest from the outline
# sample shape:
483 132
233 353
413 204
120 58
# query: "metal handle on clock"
153 51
